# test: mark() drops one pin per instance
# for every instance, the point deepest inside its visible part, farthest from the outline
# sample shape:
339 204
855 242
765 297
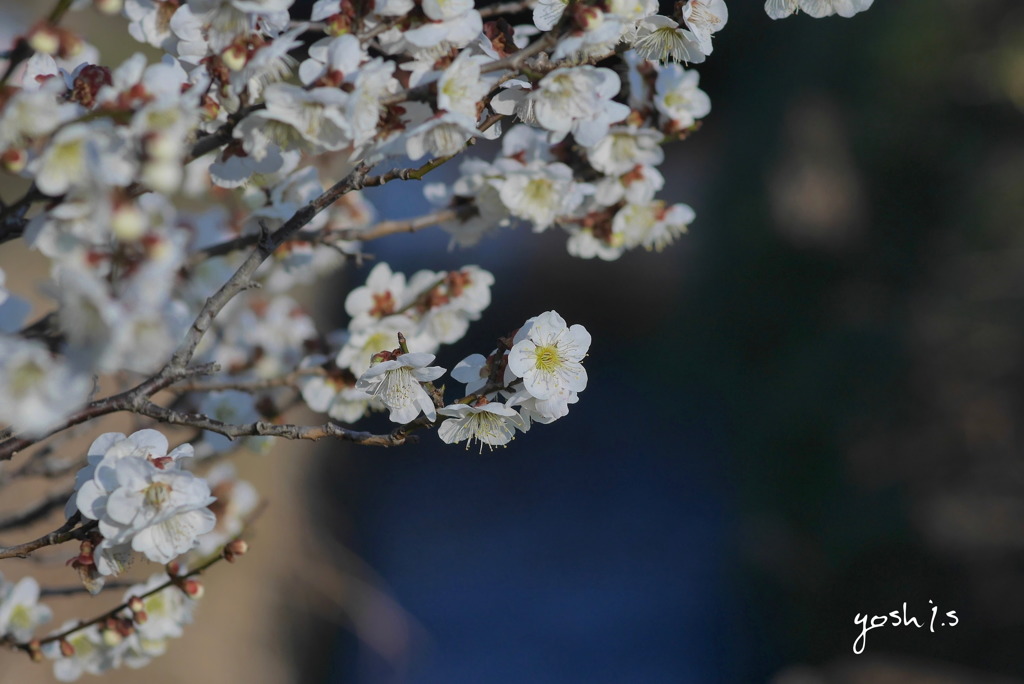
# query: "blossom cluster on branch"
179 201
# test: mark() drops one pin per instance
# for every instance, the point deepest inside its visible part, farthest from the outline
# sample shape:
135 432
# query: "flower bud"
128 224
14 160
45 39
234 57
140 617
109 6
234 549
194 588
35 651
173 568
136 605
111 637
66 649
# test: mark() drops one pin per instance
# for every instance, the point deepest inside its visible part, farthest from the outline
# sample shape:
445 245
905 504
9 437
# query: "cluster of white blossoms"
143 501
132 636
532 377
183 201
430 309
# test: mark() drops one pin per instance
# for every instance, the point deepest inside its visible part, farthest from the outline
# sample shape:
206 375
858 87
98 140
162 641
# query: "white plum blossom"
440 136
139 495
37 390
704 18
333 393
826 8
84 155
540 193
461 87
489 422
397 384
20 610
578 100
652 225
547 13
677 96
660 38
548 356
236 500
624 147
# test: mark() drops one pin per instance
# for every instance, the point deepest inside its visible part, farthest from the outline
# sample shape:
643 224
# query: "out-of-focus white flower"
461 87
236 500
20 610
677 96
84 155
333 393
440 136
232 407
397 384
91 653
652 225
578 100
37 390
624 147
541 193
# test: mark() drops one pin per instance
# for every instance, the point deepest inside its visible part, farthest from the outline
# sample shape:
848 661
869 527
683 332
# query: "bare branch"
397 437
125 401
64 533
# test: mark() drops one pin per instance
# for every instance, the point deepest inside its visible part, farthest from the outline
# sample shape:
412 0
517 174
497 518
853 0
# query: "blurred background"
803 411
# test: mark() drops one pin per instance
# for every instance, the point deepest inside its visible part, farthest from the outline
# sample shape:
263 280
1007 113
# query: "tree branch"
64 533
396 437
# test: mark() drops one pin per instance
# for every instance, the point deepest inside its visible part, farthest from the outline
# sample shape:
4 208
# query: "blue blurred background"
804 410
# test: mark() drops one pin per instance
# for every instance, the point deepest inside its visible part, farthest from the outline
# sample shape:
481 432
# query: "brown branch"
64 533
396 437
125 401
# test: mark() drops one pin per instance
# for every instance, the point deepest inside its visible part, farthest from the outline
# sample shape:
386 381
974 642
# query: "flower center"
547 358
157 494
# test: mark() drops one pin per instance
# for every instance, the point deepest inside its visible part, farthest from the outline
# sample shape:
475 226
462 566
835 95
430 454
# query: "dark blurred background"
804 410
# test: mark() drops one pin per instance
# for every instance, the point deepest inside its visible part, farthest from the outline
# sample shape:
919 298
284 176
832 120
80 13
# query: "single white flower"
37 390
659 38
677 97
825 8
703 18
578 100
547 13
461 87
780 9
491 423
397 384
440 136
541 193
624 147
20 610
548 356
